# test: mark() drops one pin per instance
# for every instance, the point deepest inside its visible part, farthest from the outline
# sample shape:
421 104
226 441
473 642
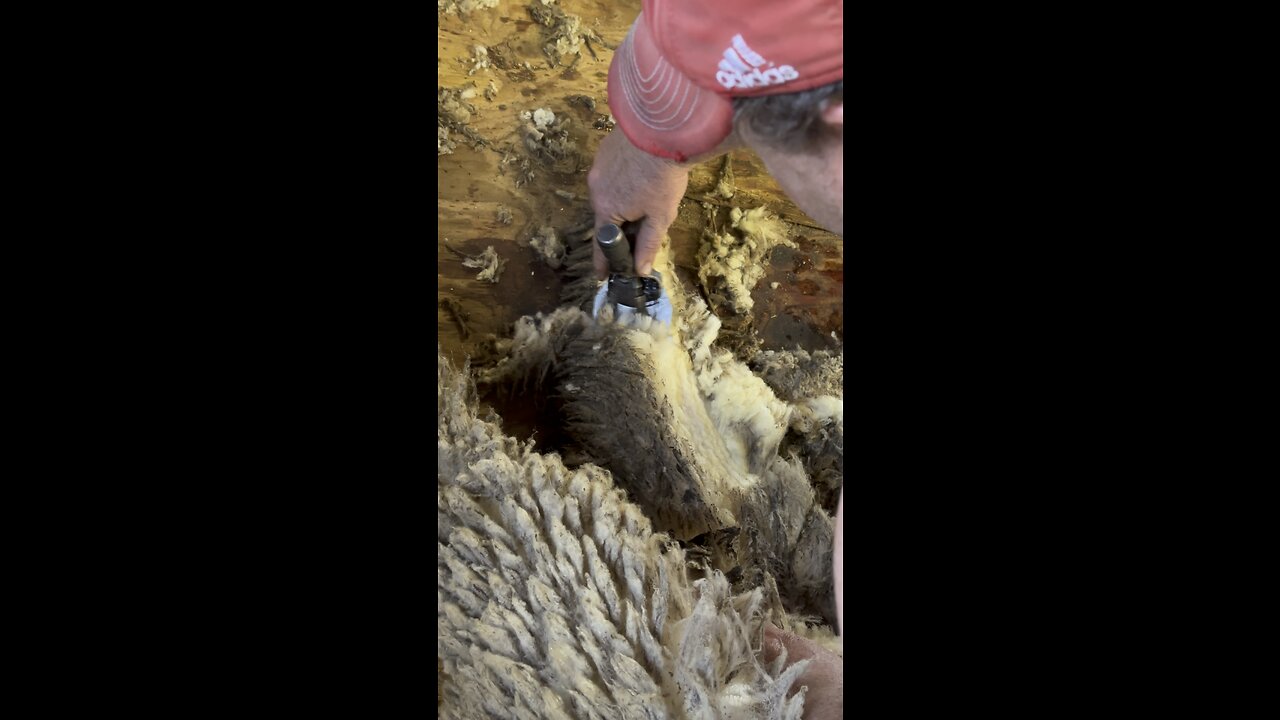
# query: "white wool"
744 410
463 7
816 412
489 263
673 376
480 61
740 259
542 118
549 246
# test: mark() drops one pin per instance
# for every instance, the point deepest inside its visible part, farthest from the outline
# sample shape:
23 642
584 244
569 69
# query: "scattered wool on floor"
548 246
489 264
463 7
732 260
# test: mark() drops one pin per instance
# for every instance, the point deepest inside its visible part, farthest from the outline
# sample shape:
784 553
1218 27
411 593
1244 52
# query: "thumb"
798 648
772 646
648 242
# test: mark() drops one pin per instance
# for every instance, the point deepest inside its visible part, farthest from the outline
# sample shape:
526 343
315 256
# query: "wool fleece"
557 599
691 433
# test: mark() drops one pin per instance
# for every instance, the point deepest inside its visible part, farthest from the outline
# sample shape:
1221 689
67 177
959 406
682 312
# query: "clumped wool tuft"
463 7
489 264
564 34
798 374
480 61
547 139
453 112
557 600
814 384
732 260
548 246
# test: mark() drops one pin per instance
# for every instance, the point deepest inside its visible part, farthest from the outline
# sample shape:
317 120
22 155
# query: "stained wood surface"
474 183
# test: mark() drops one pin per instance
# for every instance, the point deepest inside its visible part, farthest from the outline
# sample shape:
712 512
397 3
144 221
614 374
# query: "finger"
772 646
798 648
648 242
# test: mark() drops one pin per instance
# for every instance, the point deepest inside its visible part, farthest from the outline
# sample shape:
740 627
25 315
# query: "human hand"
824 699
628 184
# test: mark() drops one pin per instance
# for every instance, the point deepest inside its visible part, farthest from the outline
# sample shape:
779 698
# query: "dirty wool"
557 599
704 445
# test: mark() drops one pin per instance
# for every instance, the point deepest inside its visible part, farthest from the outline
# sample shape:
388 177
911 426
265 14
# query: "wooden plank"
474 183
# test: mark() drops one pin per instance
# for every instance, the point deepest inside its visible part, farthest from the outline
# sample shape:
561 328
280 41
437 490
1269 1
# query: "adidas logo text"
740 67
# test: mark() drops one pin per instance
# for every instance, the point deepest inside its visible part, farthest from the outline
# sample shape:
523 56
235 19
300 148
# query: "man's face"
813 180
